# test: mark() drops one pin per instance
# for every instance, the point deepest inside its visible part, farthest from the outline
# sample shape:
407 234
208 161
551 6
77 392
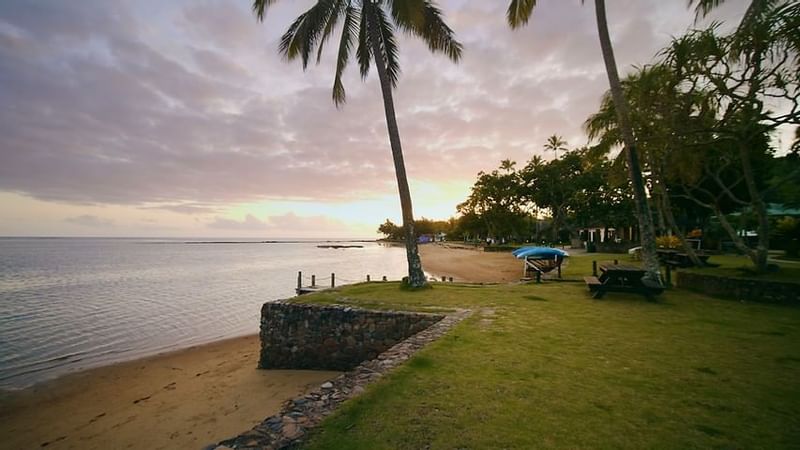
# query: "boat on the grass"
540 253
540 259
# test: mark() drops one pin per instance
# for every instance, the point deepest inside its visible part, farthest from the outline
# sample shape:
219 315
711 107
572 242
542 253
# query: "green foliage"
671 242
519 12
422 226
494 207
391 231
789 227
577 189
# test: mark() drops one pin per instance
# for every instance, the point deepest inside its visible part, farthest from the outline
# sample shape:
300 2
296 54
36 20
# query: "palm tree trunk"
647 233
416 276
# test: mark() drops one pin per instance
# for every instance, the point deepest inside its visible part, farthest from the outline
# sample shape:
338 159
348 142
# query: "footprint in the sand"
170 387
141 399
97 417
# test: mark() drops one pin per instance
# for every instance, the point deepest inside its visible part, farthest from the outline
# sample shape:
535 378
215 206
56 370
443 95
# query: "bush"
788 228
671 242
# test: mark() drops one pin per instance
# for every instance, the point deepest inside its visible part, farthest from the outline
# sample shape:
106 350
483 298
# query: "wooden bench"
594 285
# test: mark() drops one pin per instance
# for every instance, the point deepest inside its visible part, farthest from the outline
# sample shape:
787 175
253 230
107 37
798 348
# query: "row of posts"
333 279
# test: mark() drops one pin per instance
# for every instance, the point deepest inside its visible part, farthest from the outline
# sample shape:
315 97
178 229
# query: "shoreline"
189 397
181 399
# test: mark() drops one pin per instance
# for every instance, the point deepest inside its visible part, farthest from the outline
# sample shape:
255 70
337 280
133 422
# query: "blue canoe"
539 252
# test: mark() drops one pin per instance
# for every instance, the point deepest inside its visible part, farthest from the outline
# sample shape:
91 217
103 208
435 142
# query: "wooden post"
538 277
559 266
616 262
299 280
313 280
384 278
669 275
333 280
594 268
367 278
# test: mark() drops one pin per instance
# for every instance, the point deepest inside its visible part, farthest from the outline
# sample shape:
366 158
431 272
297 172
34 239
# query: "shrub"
671 242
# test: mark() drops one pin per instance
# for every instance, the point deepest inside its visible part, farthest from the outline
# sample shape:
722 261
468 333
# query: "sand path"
468 264
186 399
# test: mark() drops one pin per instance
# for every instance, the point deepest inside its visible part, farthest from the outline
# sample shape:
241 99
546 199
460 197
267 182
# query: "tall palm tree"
555 144
370 26
519 12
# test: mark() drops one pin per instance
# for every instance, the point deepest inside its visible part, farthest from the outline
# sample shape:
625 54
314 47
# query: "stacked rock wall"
741 289
296 336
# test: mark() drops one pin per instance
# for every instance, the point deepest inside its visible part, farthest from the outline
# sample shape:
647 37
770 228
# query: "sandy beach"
185 399
192 397
469 265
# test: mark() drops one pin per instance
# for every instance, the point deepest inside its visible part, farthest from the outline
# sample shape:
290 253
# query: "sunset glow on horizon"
181 119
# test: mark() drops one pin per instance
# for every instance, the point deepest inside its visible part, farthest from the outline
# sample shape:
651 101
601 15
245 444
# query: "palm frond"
423 19
704 7
260 8
384 33
407 14
304 33
349 31
363 52
519 12
338 10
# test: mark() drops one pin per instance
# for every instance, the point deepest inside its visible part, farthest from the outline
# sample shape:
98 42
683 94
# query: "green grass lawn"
545 366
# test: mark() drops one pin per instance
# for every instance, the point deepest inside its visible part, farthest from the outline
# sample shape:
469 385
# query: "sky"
180 118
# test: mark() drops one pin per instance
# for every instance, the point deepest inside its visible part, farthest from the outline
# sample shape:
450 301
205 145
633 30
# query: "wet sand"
185 399
469 265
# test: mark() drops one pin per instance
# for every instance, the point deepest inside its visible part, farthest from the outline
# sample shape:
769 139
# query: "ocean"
68 304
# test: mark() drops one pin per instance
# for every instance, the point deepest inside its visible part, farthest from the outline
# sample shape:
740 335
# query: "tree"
519 12
495 200
391 231
553 185
751 80
556 143
371 25
658 111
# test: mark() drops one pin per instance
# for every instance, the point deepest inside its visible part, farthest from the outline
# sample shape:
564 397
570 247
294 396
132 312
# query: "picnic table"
676 258
622 278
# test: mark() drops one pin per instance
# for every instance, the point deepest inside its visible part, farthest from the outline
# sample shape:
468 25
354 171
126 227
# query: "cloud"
187 104
186 208
249 223
283 224
90 221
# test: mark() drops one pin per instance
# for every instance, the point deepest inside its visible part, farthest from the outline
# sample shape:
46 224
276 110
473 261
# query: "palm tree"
556 143
370 26
519 12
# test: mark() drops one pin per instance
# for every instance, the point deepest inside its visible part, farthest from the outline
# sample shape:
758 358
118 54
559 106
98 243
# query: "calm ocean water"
73 303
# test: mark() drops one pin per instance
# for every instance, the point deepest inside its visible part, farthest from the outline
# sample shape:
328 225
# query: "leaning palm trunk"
666 207
646 231
416 276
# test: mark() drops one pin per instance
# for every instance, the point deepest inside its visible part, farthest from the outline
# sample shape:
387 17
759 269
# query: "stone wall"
741 289
296 336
